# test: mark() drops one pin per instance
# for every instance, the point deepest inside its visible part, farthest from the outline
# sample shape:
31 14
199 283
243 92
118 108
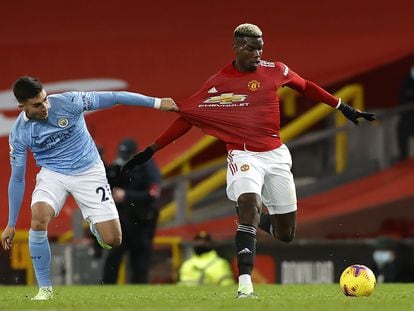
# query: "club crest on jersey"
244 167
253 85
63 122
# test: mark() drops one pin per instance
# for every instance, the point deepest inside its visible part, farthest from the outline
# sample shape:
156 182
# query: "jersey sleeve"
77 102
86 101
177 129
307 88
70 102
315 92
16 193
285 75
16 188
18 151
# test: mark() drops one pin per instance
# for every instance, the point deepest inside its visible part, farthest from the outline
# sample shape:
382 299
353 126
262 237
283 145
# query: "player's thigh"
42 215
279 191
244 175
92 193
50 189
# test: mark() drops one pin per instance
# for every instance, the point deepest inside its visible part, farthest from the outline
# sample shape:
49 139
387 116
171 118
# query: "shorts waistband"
245 147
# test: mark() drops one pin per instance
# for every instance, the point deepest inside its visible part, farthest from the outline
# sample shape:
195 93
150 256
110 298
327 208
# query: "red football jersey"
241 108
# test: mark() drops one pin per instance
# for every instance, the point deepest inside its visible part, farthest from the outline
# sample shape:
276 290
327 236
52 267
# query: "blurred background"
354 183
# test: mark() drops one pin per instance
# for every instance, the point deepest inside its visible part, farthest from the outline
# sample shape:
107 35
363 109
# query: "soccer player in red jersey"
239 105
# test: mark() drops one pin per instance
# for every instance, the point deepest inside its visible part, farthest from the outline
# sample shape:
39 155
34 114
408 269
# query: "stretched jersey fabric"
242 108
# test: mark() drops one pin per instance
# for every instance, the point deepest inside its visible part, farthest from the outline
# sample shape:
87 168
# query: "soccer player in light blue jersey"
53 128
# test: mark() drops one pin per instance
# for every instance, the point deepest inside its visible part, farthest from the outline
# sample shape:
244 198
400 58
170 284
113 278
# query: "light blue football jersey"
62 143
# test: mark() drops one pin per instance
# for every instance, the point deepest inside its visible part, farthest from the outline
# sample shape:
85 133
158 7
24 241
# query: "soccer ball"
357 281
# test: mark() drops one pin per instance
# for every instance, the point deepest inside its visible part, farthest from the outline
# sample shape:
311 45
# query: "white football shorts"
90 189
265 173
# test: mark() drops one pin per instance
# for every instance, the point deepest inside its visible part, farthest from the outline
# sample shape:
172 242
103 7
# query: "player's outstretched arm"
177 129
313 91
109 99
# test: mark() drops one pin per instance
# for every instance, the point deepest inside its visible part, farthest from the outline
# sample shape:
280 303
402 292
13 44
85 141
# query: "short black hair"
26 87
127 147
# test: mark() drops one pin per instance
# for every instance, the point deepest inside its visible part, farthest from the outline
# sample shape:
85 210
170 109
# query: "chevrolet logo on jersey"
225 99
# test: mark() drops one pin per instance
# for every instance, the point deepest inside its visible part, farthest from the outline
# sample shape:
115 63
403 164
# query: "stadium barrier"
300 262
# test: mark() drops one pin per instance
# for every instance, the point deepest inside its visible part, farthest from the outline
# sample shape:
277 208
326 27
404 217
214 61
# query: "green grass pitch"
387 297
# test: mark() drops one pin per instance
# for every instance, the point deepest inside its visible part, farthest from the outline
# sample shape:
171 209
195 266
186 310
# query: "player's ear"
234 45
238 44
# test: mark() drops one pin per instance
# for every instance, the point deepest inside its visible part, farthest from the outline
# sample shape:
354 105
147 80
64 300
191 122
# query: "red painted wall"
167 48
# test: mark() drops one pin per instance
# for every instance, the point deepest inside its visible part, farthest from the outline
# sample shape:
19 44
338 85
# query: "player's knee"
249 208
118 240
110 232
286 236
39 225
40 222
113 240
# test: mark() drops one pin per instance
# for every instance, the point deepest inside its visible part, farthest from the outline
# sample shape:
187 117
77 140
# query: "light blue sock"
40 253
